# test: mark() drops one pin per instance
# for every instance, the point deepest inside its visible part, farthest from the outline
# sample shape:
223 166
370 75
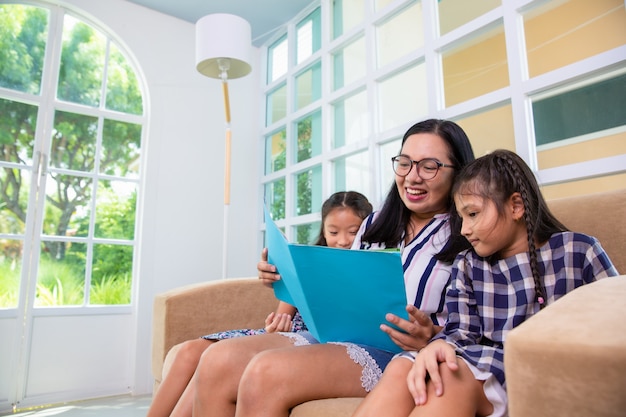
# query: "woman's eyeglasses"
426 168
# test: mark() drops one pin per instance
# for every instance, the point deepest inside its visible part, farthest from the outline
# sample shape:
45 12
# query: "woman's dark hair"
353 200
496 177
394 216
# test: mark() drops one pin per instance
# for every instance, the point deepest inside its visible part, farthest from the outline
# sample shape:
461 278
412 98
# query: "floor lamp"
223 43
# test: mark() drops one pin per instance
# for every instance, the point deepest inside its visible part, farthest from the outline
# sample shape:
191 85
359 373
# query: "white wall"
181 229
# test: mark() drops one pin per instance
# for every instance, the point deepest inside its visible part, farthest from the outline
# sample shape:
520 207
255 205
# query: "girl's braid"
531 224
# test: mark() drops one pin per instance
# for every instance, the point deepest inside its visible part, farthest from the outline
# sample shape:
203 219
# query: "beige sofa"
550 372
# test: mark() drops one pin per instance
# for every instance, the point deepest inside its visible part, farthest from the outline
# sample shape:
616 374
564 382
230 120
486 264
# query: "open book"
342 295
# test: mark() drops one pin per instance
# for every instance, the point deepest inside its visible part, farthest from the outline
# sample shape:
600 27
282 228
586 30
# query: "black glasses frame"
419 164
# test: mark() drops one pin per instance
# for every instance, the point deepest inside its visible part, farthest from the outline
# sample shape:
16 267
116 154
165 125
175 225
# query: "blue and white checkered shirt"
487 299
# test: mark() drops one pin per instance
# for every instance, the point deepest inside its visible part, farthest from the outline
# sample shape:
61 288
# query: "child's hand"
277 323
267 271
416 332
427 364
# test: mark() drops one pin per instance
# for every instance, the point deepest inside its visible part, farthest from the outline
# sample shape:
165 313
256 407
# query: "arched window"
71 118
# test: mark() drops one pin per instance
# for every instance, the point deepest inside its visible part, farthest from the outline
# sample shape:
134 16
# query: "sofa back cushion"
601 215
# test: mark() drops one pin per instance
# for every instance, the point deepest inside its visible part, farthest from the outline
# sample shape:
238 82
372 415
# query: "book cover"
342 295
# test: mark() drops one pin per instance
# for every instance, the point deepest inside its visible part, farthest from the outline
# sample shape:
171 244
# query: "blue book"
342 295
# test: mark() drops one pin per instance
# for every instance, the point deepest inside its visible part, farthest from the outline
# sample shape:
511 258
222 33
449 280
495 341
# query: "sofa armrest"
192 311
570 358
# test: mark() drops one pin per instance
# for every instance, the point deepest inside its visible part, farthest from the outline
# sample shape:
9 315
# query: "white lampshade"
223 36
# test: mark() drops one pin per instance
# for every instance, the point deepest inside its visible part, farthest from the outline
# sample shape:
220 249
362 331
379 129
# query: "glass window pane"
23 31
346 14
580 27
476 67
400 35
276 105
15 191
115 210
277 61
349 64
111 275
456 13
308 191
581 122
309 136
490 130
60 279
275 151
307 234
403 97
275 198
82 63
10 270
73 141
381 4
123 93
308 34
353 173
121 144
388 151
67 206
586 186
309 86
351 123
17 132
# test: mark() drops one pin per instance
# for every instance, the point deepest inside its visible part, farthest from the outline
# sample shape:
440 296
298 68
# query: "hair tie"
541 300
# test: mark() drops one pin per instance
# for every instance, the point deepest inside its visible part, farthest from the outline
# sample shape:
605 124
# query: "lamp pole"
223 51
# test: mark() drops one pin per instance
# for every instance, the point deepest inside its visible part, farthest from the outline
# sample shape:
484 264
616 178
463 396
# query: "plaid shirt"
488 298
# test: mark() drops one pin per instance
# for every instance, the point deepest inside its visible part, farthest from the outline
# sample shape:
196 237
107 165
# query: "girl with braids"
521 259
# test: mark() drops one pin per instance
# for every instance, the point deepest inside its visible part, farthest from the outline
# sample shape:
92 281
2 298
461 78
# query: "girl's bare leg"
391 395
276 381
213 390
174 383
463 395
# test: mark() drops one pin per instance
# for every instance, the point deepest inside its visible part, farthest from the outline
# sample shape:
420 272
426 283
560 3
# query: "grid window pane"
25 64
307 234
559 33
400 35
123 93
309 86
276 151
351 121
308 34
346 15
403 97
581 123
82 63
277 59
10 270
276 105
309 136
352 173
18 131
275 198
387 177
476 67
308 195
348 64
455 13
490 129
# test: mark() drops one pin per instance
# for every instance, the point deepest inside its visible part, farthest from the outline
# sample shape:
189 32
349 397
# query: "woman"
267 375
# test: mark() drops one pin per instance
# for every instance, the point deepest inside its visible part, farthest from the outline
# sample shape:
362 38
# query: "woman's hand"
427 365
277 322
267 271
418 330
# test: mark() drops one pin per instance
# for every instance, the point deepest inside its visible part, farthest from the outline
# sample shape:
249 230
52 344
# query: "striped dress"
425 278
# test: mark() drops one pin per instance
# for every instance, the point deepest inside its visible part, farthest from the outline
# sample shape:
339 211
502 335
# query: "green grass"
60 284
